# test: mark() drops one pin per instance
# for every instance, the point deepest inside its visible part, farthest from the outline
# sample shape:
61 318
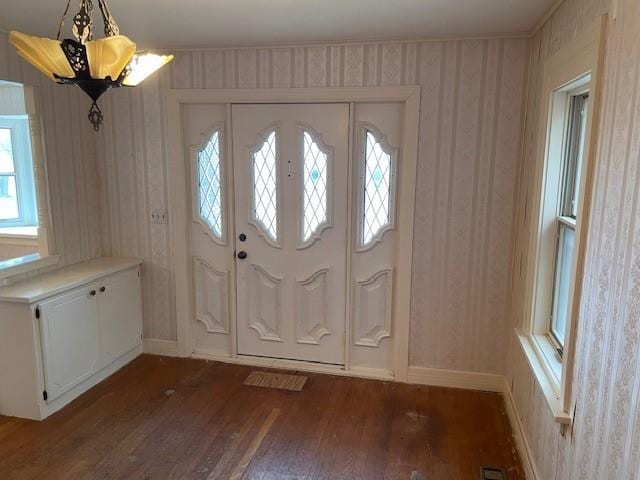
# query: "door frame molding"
178 168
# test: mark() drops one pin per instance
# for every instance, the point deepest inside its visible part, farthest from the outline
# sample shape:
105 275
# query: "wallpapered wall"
472 108
605 442
70 150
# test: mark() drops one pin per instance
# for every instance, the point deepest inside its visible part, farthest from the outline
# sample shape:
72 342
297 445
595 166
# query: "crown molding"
545 18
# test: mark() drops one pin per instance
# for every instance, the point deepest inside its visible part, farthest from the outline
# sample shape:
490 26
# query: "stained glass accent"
209 187
377 189
315 187
265 185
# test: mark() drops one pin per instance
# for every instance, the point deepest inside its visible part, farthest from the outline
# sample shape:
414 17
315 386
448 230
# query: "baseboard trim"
277 363
522 444
168 348
437 377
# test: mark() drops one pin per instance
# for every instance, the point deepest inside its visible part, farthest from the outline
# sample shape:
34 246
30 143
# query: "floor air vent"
489 473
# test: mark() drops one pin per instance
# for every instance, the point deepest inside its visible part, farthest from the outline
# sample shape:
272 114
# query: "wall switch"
159 216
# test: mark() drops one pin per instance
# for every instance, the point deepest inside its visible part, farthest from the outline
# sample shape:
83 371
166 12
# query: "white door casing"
377 278
290 164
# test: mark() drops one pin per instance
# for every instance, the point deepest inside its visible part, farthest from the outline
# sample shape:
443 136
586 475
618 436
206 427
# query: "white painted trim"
547 383
46 247
154 346
546 16
177 96
19 240
436 377
280 363
27 263
180 243
519 435
584 54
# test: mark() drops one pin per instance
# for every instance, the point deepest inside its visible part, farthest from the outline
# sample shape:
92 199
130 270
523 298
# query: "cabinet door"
119 314
70 346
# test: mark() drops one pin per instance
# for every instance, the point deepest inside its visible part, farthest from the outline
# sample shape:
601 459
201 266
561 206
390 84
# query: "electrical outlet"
159 216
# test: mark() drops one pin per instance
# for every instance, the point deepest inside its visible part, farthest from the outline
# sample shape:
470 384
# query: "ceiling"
212 23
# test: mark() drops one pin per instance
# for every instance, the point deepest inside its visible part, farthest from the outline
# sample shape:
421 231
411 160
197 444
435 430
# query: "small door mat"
276 380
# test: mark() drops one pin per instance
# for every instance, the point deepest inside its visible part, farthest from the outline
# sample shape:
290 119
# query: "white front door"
290 182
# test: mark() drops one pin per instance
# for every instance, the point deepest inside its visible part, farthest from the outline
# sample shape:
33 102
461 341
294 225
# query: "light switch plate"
160 216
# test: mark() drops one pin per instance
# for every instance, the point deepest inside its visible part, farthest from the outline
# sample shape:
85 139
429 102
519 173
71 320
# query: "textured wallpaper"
605 441
70 149
471 119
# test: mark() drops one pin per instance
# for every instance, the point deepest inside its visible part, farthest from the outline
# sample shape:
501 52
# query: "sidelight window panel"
376 206
209 185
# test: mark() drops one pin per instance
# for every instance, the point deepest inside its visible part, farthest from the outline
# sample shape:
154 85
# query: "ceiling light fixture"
94 65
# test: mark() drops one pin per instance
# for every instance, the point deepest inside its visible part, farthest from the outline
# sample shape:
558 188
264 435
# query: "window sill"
30 233
545 374
25 264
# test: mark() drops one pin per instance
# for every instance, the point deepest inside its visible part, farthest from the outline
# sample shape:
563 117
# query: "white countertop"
42 286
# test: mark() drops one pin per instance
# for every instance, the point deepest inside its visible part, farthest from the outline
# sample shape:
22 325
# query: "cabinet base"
48 408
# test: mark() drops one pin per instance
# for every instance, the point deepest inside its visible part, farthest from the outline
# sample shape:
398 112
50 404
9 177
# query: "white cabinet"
63 332
69 337
119 313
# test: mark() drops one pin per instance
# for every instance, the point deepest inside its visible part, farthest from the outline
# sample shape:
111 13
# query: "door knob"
242 237
242 254
92 293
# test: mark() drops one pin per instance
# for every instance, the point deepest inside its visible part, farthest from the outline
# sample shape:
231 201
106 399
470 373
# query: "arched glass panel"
314 186
209 186
265 185
376 211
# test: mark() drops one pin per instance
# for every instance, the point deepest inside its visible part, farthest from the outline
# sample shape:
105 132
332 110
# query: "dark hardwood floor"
167 418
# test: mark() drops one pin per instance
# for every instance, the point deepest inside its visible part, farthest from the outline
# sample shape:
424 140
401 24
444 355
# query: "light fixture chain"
64 16
110 26
83 22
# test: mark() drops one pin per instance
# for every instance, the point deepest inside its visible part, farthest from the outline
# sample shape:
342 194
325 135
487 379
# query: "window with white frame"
17 191
577 105
565 162
558 239
575 127
564 172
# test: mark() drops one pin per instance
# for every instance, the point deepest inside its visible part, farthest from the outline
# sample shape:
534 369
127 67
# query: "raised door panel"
119 314
212 297
314 305
71 350
265 312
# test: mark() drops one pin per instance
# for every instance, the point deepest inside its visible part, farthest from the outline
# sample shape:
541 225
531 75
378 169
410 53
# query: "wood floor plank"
169 418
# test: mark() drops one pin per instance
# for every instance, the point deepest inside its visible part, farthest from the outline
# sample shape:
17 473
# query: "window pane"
6 151
264 186
209 189
315 187
564 260
575 141
8 198
581 146
377 189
